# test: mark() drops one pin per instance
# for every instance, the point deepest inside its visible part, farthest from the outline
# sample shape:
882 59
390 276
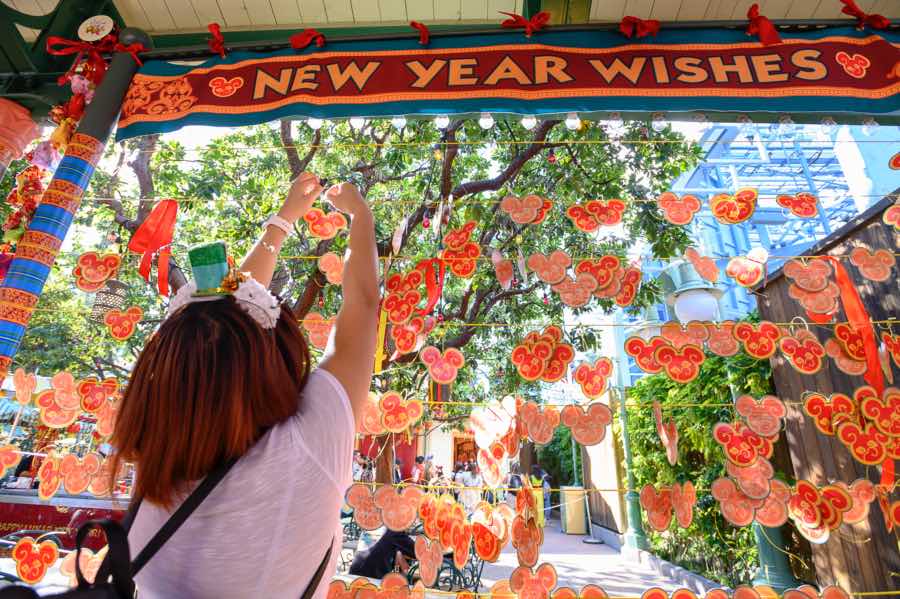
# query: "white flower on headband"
255 299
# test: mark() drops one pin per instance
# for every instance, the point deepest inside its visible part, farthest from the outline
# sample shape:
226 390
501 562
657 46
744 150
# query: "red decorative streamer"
762 27
424 34
535 23
633 26
216 43
434 282
863 19
155 236
859 319
302 40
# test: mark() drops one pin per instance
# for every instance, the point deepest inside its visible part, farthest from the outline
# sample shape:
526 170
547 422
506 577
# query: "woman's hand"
304 191
346 198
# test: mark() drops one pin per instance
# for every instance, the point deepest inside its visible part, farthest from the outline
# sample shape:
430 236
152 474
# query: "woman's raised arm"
351 350
261 259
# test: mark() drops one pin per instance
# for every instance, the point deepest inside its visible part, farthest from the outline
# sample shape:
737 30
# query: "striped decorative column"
37 250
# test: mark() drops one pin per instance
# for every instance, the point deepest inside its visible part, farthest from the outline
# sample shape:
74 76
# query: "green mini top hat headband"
215 277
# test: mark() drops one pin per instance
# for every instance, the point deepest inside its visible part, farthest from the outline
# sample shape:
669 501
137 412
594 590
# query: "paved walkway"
578 564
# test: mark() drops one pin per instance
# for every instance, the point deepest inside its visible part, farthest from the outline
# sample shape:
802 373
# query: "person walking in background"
417 477
398 474
456 479
540 480
470 496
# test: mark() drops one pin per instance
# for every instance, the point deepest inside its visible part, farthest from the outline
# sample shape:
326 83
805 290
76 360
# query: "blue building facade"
845 167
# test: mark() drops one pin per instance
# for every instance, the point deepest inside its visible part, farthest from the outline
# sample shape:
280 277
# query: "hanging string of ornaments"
867 423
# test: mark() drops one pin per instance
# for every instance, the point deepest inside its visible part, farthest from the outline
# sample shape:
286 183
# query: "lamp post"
696 299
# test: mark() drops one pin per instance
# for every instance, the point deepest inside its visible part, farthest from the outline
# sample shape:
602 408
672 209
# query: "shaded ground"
578 564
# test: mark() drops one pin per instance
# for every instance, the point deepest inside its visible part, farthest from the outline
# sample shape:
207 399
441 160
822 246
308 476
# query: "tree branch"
297 164
469 332
515 165
141 167
451 150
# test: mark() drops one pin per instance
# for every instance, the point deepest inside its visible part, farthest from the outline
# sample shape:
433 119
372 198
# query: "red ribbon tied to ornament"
303 39
762 27
155 236
535 23
424 34
633 26
862 19
216 43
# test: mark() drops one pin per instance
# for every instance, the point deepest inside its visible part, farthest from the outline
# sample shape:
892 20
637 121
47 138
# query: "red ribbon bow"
216 43
305 38
424 34
60 46
862 19
633 26
155 236
762 27
535 23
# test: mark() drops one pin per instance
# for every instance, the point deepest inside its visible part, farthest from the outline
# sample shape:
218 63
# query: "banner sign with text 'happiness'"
829 72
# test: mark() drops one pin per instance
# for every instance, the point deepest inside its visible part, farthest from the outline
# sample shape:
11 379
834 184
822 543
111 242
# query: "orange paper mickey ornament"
550 269
33 559
430 556
537 584
678 211
77 473
523 211
398 414
365 512
875 266
93 393
604 270
399 509
318 329
588 423
828 412
644 352
122 324
539 422
332 266
596 213
803 351
322 225
734 209
759 340
763 416
750 270
24 385
592 378
891 216
9 458
442 367
92 270
803 204
682 365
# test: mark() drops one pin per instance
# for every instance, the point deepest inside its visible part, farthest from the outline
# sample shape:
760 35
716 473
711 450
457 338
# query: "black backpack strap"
317 577
117 557
181 514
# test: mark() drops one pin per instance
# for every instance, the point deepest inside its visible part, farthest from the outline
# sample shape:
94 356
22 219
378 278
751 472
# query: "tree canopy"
412 176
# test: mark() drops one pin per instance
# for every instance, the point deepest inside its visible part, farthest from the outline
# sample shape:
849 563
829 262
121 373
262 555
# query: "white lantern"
398 122
573 123
486 121
314 123
529 122
696 304
442 121
357 122
658 122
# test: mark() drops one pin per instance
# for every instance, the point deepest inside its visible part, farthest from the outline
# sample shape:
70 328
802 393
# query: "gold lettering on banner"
691 72
768 68
660 71
424 75
340 77
507 69
721 70
551 66
305 77
811 69
618 68
462 72
265 82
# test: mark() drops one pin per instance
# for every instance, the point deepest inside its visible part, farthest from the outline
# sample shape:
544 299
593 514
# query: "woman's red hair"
209 382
